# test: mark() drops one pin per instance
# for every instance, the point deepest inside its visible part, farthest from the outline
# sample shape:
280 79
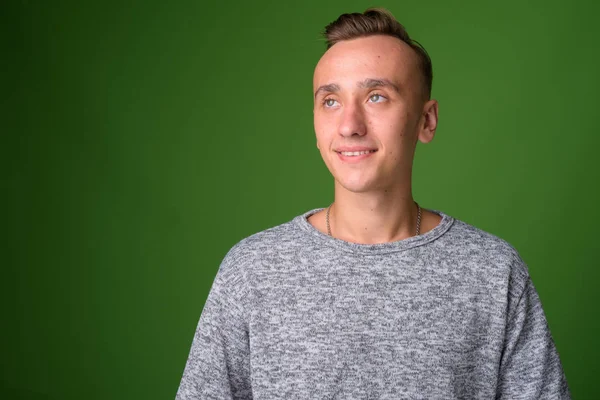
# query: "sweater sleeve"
530 367
218 365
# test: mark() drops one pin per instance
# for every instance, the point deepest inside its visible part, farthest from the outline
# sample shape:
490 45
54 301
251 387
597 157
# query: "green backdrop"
142 139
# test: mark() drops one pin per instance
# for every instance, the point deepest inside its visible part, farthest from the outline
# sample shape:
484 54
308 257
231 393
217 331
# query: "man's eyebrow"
366 84
331 88
372 83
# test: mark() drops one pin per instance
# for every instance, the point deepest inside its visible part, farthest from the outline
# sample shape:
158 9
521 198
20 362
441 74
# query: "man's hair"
378 21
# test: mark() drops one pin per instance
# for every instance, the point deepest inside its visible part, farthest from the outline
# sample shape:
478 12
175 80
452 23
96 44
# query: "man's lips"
354 154
354 151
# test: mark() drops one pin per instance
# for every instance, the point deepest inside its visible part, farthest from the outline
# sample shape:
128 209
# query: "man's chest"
351 327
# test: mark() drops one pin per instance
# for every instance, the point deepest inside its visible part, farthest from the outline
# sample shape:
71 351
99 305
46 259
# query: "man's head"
372 89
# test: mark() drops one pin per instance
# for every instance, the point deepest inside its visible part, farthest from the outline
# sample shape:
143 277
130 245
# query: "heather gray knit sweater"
296 314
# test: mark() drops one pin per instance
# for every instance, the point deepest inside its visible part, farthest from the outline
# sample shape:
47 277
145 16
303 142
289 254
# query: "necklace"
418 219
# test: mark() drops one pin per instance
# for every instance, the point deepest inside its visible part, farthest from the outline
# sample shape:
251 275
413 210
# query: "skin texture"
369 95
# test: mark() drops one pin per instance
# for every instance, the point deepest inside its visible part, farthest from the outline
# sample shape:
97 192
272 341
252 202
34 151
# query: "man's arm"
530 366
218 366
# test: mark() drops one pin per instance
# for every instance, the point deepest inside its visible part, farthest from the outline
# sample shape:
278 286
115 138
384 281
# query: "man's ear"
429 121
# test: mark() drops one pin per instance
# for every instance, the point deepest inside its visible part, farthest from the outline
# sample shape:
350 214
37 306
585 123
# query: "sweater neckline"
370 249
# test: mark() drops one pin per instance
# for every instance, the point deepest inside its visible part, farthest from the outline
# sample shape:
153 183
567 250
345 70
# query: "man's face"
369 112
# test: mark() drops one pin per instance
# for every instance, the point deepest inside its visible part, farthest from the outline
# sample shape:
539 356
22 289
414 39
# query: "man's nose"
353 121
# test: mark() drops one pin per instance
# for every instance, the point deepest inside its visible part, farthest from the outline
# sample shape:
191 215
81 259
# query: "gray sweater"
296 314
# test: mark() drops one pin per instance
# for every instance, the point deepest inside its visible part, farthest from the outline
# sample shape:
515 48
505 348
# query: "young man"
372 297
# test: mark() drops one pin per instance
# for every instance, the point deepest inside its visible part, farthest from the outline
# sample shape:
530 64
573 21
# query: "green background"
142 139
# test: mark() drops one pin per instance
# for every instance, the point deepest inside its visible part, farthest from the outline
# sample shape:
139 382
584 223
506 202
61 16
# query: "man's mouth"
355 153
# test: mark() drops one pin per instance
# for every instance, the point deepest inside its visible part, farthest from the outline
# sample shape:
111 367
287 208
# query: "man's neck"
375 217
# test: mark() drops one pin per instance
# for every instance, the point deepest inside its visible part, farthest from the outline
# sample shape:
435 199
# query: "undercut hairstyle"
378 21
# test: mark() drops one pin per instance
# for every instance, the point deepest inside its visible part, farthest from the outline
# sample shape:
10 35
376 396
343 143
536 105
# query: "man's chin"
358 186
363 185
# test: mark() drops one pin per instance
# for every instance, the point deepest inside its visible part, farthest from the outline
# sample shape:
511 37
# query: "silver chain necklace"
418 219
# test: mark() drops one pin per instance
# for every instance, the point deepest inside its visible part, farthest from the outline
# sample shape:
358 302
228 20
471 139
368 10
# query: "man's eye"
376 98
329 102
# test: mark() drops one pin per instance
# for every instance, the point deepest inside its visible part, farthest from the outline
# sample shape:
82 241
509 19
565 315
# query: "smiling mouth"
355 153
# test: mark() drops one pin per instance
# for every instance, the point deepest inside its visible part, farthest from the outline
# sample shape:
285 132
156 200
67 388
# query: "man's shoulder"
475 245
474 237
274 239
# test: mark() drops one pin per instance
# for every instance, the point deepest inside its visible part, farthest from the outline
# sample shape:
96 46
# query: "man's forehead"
374 56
